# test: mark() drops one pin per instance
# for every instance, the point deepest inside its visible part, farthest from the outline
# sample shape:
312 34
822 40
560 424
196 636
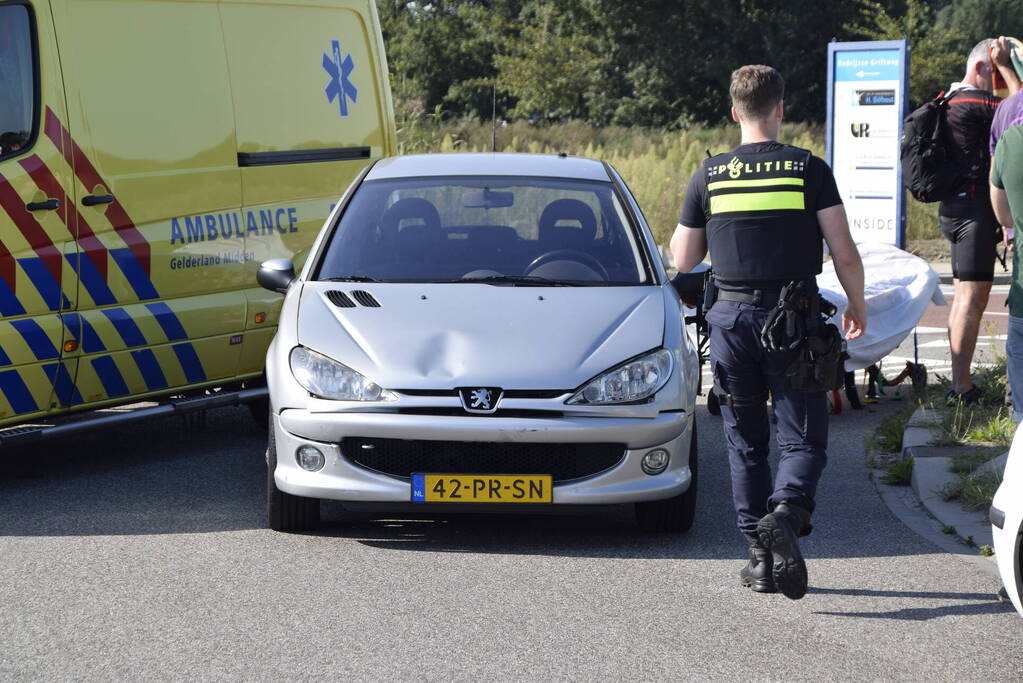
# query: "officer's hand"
854 322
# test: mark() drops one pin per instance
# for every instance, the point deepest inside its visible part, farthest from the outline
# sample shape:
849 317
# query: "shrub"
899 473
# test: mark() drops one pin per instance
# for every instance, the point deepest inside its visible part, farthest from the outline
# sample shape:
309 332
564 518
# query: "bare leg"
968 304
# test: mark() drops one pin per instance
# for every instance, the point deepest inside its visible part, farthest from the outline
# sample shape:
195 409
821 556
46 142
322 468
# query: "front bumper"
342 480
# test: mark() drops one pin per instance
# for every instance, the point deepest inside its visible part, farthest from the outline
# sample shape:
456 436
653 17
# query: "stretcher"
898 288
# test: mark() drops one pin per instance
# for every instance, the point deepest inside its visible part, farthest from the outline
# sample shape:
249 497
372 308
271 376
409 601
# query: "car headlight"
327 378
633 381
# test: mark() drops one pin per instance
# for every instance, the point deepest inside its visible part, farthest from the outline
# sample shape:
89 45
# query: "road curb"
907 508
951 528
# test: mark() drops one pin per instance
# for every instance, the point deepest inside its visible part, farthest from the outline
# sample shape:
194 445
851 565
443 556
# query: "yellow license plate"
482 488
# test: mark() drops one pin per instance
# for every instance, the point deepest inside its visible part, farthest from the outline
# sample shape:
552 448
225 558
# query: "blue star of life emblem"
339 87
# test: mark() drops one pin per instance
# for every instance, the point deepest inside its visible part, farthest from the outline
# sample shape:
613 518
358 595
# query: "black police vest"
760 223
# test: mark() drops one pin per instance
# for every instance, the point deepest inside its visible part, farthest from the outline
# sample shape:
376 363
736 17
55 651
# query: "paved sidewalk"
932 474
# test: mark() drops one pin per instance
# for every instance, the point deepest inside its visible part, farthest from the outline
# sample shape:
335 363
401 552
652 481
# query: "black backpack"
928 169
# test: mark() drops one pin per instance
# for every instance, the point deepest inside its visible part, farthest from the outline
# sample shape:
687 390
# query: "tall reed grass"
656 164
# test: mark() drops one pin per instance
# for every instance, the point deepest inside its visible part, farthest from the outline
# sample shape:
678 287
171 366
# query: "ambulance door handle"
94 199
48 205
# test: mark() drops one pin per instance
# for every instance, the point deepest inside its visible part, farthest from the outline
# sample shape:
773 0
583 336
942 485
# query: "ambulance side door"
312 108
37 248
151 126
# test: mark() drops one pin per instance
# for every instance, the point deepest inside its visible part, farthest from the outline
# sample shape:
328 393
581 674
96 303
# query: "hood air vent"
365 299
340 299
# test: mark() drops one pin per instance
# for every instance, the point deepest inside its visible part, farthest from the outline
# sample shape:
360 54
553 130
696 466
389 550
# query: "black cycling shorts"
970 225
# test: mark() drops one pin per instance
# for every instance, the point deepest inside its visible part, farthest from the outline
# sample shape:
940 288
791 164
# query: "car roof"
488 164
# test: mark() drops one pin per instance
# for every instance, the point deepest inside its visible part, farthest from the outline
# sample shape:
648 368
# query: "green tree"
441 53
550 68
936 57
979 19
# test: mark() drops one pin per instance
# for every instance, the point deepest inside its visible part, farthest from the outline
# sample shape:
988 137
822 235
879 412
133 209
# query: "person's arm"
689 242
1001 57
688 247
1000 202
848 267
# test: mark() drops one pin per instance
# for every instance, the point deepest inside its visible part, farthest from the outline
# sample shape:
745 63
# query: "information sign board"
867 87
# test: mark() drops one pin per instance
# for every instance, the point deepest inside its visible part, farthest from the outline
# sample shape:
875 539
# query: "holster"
710 293
798 323
820 361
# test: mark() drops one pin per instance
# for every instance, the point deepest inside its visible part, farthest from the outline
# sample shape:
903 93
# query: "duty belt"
764 298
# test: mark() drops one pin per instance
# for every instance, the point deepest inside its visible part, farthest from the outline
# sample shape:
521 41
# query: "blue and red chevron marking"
91 264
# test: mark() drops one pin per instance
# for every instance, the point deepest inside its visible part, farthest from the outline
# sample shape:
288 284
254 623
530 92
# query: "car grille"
402 458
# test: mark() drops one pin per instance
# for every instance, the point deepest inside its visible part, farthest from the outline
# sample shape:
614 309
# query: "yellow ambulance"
152 154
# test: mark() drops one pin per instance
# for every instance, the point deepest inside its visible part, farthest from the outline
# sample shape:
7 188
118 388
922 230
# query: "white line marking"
995 289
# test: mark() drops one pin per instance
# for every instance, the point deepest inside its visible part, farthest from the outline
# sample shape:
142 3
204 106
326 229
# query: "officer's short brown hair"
756 89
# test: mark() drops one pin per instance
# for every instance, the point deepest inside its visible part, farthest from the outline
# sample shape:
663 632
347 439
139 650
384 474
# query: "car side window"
17 80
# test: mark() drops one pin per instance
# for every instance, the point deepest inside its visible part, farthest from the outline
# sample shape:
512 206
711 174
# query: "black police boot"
778 532
757 572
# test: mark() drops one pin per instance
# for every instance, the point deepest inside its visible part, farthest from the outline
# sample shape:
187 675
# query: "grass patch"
969 460
950 491
989 422
974 491
948 530
983 425
986 550
978 490
887 437
899 473
997 428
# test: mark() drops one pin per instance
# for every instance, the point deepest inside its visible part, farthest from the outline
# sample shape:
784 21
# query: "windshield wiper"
350 278
524 280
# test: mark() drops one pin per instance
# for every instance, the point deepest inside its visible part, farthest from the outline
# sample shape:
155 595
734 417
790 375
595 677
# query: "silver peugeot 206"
482 331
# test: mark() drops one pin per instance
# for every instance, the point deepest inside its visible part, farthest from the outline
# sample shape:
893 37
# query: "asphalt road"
142 554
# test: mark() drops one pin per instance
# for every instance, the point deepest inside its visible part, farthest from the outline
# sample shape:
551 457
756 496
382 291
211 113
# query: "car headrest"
410 208
568 210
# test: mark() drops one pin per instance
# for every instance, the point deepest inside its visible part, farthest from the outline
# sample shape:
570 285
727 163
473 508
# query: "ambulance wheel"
713 403
672 515
285 512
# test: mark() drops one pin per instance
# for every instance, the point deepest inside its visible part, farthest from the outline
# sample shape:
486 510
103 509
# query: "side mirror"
276 275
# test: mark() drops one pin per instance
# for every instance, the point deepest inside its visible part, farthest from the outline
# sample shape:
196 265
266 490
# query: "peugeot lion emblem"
480 399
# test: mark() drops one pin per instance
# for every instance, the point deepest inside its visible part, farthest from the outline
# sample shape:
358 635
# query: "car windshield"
498 230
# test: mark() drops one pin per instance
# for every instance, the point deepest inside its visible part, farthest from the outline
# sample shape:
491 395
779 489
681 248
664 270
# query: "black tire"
261 408
258 410
713 403
672 515
285 512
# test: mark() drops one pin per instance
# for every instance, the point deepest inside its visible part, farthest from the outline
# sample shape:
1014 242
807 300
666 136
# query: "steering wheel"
568 255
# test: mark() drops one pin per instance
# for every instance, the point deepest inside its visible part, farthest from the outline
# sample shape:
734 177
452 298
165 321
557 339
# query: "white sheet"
898 289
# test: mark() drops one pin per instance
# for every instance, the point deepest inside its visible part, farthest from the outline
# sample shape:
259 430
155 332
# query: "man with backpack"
965 214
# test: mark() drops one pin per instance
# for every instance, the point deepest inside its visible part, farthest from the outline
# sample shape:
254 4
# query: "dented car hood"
443 336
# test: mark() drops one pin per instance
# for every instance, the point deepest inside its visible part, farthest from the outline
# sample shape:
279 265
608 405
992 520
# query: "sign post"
867 87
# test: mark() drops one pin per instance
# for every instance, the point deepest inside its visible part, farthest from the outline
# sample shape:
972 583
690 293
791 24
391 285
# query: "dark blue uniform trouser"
743 369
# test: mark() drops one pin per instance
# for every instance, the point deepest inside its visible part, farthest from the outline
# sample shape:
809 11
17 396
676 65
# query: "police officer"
762 210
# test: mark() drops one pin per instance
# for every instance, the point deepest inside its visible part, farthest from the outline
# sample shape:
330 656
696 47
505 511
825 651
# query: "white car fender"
1007 523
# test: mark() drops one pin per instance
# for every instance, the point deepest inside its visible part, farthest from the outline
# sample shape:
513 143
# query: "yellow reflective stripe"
754 182
756 201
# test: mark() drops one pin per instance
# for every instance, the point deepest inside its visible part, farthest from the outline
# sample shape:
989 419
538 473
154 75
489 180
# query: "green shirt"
1007 174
